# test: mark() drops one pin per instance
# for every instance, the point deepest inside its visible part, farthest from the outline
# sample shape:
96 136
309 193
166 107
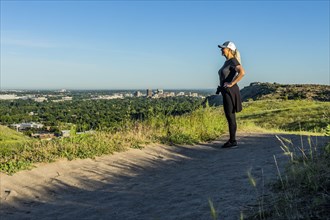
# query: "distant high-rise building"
149 93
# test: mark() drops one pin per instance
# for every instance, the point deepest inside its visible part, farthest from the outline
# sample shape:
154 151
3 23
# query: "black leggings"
229 109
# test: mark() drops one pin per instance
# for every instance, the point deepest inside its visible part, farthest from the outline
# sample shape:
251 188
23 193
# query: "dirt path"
157 182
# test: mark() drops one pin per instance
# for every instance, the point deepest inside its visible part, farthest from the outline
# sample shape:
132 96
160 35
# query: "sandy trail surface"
157 182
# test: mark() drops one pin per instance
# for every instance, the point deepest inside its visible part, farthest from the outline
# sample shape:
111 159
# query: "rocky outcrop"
258 91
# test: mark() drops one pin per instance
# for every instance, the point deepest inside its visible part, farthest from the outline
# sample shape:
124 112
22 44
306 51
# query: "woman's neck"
229 56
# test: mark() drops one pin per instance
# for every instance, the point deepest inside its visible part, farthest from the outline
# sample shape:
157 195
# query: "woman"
230 74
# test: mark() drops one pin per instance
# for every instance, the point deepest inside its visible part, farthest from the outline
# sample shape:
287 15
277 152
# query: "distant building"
180 94
117 96
40 99
67 98
24 126
137 94
8 97
149 93
160 91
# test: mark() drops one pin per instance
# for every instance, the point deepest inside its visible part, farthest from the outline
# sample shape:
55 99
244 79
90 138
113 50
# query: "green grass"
10 137
204 124
286 116
198 126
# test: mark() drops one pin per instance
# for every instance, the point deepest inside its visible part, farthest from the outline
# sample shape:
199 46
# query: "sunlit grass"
286 116
201 125
10 137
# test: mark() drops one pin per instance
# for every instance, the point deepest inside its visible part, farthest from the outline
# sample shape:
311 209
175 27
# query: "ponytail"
237 55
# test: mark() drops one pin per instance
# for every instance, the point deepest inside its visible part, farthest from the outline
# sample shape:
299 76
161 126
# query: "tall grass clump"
303 190
203 124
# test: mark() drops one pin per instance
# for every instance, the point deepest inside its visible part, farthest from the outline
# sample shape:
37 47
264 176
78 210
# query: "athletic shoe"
230 144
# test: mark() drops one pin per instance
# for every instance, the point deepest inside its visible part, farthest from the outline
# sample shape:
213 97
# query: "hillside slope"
8 135
261 91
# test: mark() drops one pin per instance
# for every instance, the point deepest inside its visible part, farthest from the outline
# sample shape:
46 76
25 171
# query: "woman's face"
224 51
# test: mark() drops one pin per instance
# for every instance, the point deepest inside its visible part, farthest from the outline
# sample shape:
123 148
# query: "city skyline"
112 45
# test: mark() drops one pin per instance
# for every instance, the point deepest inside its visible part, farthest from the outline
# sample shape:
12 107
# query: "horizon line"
146 88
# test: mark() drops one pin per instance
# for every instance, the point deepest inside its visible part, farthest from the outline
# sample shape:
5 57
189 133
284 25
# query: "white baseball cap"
228 44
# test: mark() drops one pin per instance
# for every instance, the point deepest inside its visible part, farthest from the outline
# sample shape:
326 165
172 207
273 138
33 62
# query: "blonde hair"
237 55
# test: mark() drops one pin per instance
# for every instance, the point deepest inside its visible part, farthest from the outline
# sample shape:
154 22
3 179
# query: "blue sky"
160 44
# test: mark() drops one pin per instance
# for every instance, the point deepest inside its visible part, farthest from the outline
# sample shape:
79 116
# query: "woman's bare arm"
241 72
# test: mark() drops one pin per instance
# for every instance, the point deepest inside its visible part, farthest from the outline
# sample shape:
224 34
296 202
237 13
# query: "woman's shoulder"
234 61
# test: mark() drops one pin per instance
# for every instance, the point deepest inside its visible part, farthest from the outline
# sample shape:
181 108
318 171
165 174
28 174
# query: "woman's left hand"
227 85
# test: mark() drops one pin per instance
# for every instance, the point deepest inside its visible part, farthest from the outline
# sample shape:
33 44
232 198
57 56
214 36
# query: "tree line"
92 114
